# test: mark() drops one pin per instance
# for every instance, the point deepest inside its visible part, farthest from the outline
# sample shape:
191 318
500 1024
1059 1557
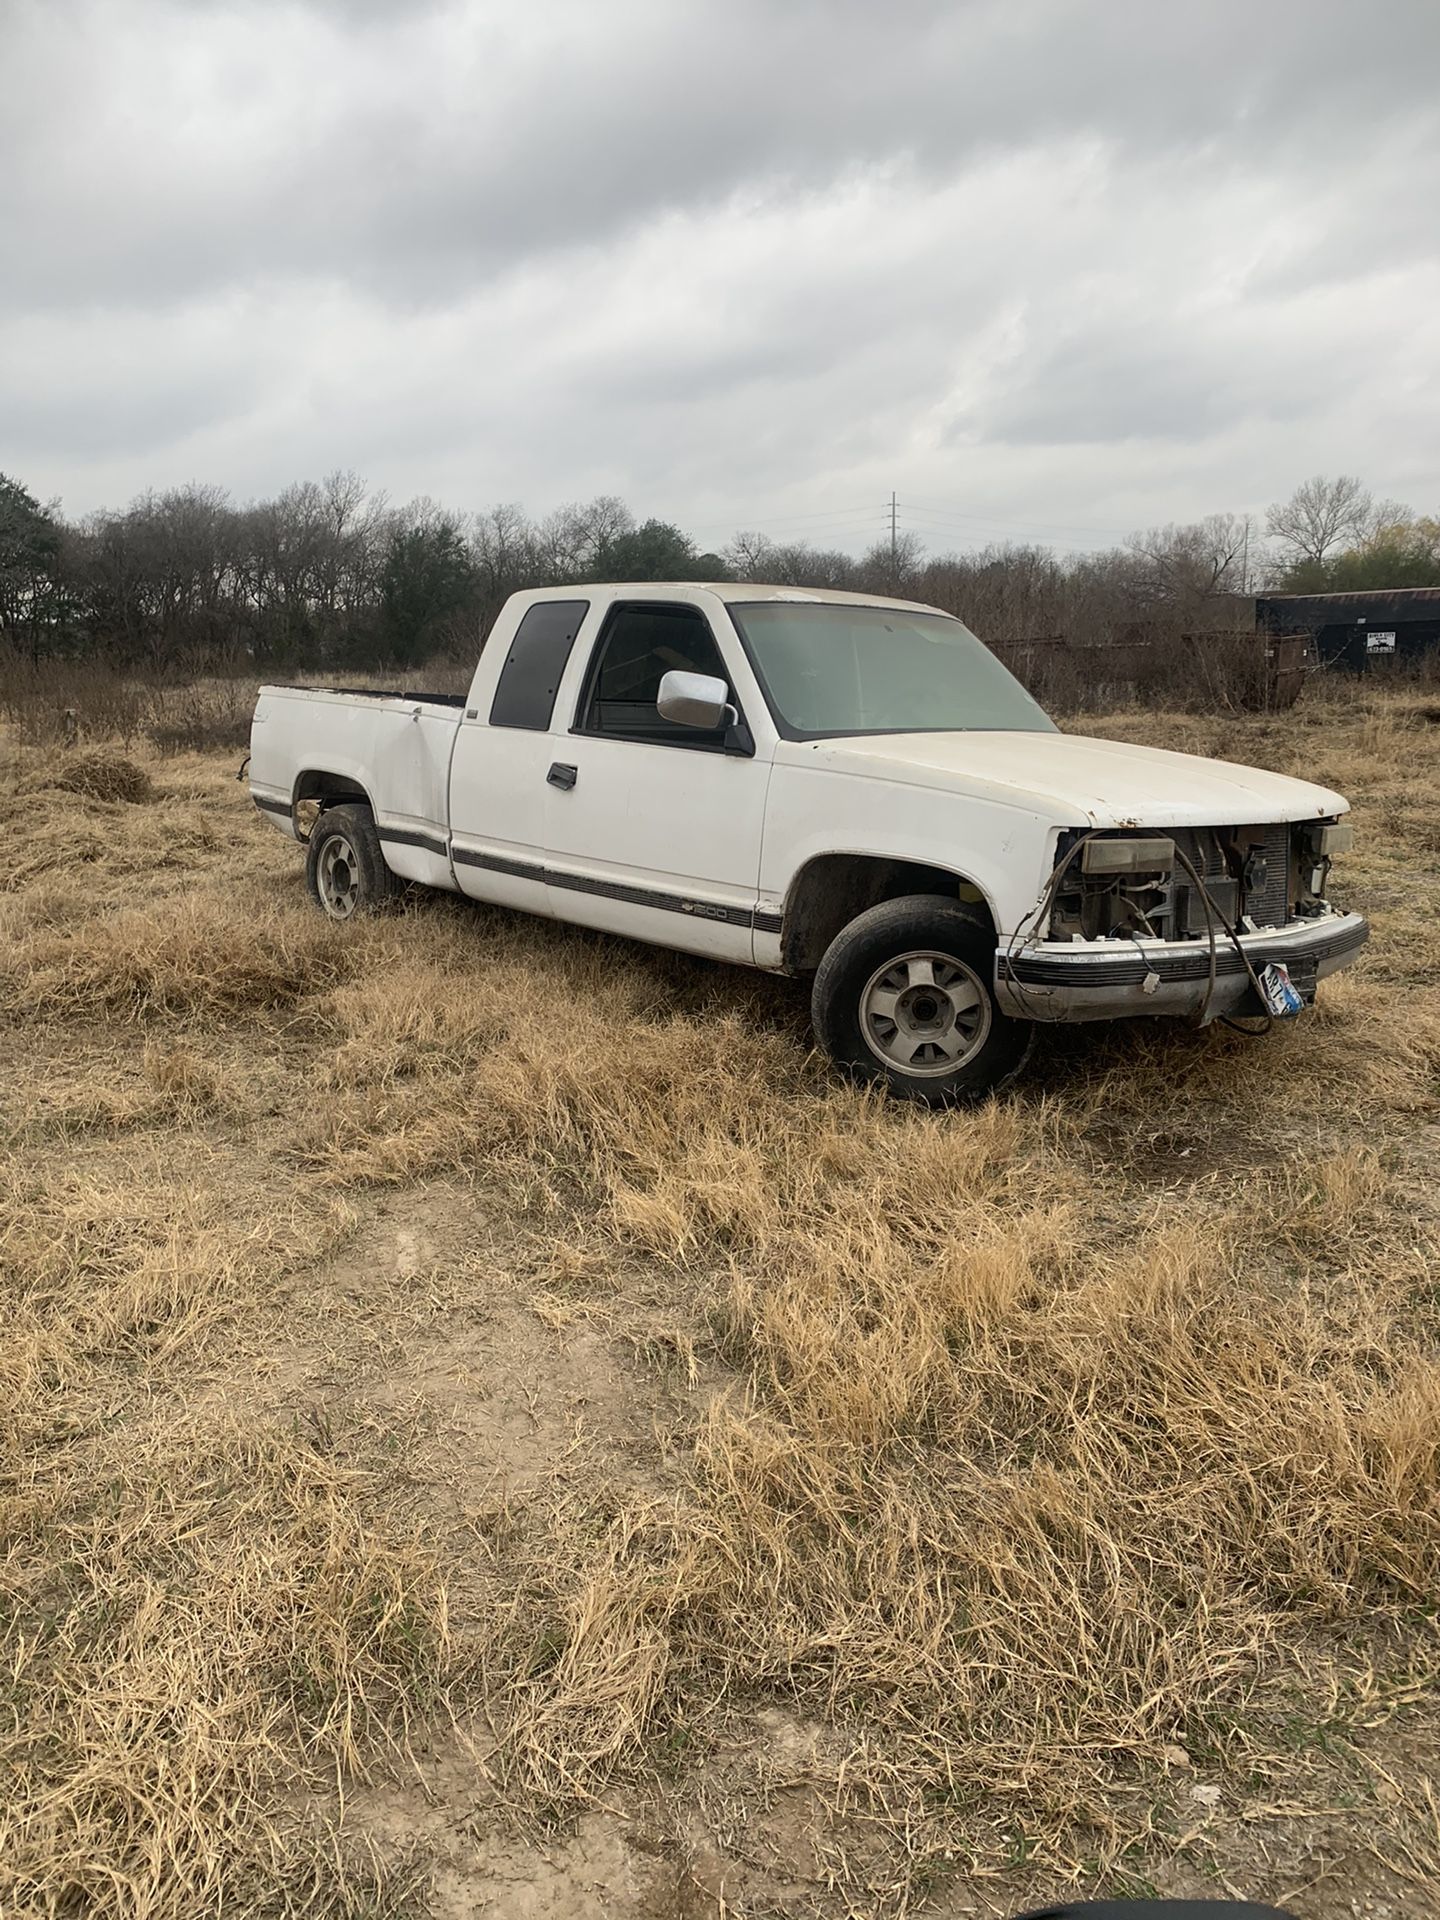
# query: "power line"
973 537
925 518
990 533
925 509
746 524
1034 526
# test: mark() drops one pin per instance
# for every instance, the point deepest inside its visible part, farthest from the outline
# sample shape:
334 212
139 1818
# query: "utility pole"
894 547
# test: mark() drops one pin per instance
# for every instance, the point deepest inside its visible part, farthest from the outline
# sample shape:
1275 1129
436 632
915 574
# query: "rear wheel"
345 868
905 995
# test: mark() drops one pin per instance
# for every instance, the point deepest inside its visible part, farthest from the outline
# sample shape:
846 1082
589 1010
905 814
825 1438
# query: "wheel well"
330 789
829 891
315 790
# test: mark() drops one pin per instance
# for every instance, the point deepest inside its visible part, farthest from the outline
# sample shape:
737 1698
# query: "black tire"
345 870
947 1042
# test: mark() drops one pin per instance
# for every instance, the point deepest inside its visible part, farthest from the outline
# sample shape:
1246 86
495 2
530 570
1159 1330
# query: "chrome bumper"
1114 979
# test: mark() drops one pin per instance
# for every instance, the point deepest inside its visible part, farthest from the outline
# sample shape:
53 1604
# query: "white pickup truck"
830 785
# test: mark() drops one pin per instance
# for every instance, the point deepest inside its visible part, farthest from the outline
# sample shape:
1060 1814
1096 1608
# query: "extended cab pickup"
830 785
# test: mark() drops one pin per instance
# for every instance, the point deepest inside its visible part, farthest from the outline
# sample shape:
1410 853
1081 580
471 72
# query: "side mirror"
694 700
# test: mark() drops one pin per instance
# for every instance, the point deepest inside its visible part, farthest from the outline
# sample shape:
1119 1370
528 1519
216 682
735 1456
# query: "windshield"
844 669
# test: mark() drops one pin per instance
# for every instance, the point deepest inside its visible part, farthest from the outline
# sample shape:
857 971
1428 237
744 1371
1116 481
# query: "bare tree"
1319 515
793 563
1188 567
569 542
887 568
349 553
747 555
1008 593
503 545
1387 520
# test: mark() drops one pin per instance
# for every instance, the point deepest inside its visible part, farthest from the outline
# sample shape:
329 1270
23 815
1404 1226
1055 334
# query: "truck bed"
391 747
376 693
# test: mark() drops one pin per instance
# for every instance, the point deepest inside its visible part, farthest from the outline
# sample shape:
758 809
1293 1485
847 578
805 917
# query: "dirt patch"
430 1321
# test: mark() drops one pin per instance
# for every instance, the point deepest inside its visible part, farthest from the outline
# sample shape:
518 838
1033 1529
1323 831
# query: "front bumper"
1113 979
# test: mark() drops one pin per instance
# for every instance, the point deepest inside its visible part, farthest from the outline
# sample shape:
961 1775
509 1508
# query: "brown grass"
1015 1468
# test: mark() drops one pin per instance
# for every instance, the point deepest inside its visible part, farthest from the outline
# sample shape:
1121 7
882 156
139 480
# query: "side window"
638 647
525 691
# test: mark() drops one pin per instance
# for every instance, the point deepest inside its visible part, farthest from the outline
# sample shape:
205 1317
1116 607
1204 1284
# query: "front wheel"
905 995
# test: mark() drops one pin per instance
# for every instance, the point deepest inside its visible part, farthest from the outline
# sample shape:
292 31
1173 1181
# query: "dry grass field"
492 1426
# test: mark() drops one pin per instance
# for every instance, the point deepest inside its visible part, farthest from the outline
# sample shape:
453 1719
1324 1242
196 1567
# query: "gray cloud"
1037 260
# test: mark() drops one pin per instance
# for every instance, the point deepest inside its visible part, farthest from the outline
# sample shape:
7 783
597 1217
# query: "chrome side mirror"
695 700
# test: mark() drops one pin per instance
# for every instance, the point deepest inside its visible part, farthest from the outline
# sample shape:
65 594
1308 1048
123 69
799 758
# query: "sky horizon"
1054 273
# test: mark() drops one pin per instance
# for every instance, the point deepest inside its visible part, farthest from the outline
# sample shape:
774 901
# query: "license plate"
1281 995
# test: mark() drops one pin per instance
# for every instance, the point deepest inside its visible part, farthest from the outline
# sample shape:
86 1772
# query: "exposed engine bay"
1192 882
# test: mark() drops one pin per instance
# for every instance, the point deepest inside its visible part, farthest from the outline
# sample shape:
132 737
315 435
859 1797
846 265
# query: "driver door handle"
562 776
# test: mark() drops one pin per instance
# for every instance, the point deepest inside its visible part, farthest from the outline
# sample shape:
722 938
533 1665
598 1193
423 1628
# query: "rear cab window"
525 691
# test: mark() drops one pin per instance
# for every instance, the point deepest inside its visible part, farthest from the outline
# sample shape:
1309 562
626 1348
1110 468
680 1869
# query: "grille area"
1247 874
1267 906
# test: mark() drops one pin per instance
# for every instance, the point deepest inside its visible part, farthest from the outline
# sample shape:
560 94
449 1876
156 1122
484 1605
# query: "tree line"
329 574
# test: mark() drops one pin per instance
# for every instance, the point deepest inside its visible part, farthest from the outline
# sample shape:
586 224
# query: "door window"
525 691
639 646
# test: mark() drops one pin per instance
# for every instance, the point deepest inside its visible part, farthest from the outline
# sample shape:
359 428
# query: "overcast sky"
1051 269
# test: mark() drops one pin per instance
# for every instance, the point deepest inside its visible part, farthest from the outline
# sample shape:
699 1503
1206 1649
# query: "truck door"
653 829
497 773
